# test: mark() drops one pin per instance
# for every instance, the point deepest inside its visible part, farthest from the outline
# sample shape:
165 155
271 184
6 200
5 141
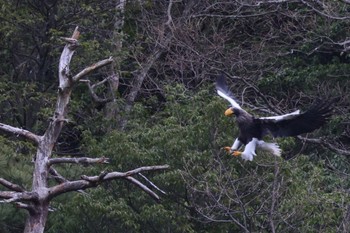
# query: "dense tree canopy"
157 104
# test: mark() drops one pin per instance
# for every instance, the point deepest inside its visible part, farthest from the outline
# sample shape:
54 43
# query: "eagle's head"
232 111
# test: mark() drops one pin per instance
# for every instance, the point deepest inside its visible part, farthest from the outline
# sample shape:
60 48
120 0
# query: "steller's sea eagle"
253 129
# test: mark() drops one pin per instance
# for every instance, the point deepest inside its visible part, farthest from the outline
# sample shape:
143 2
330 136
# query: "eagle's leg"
249 150
234 153
234 148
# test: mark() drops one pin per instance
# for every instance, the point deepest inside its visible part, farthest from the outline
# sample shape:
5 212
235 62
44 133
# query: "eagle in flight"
252 129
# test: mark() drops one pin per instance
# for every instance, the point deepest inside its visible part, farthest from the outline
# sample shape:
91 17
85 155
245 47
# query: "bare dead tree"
37 200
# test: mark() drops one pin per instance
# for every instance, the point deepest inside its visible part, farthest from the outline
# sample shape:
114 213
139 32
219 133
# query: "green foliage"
313 193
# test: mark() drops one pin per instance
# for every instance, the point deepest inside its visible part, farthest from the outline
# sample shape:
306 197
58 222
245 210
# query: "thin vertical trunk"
111 109
139 78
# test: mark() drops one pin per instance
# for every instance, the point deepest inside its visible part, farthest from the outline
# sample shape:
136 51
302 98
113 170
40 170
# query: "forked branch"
143 187
60 179
92 90
93 181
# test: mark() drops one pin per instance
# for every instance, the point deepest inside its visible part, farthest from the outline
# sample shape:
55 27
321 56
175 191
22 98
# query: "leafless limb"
11 196
11 186
60 179
326 144
114 175
323 13
143 187
95 97
258 3
151 183
92 68
170 19
20 132
80 160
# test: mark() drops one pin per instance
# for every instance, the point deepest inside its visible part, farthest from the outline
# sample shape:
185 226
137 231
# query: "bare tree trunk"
36 220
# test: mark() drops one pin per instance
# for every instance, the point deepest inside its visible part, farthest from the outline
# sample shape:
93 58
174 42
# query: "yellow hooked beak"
229 112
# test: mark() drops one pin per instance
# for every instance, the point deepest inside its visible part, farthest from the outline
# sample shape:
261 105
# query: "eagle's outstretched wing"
224 91
297 123
282 117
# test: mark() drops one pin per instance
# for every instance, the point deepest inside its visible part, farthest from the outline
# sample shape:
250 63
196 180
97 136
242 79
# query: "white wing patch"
282 117
232 101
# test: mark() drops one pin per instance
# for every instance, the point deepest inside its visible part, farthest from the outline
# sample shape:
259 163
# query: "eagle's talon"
227 149
237 153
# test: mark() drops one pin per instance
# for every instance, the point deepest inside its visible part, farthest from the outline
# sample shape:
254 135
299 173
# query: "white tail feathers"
270 147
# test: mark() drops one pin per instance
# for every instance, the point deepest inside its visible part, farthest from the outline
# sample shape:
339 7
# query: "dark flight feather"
312 119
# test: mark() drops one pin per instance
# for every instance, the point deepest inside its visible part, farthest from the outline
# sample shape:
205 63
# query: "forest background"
157 105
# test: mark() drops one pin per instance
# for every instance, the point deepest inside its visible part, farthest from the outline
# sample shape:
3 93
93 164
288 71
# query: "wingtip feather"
223 91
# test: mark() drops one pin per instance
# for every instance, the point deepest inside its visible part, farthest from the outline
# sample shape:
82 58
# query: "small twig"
141 169
143 187
170 19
